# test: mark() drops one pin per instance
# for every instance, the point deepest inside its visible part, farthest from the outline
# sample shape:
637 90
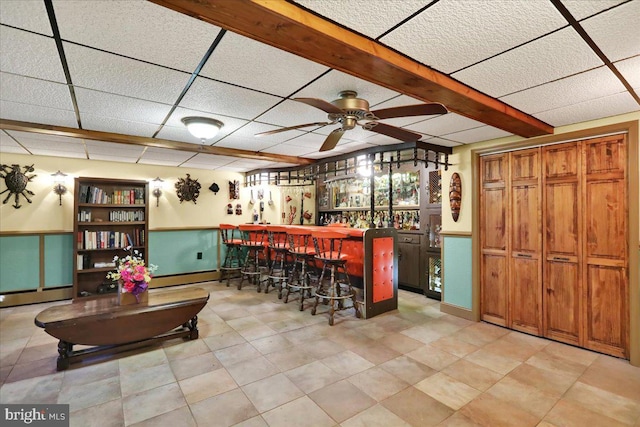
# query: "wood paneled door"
553 240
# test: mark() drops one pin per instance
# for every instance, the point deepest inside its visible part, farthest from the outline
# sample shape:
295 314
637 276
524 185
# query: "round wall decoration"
188 189
455 195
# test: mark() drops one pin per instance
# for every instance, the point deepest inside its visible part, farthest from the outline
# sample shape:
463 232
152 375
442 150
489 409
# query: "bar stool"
254 242
278 254
328 247
232 242
302 251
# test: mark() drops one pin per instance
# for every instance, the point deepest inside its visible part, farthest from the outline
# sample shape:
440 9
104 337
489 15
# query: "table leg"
65 349
193 327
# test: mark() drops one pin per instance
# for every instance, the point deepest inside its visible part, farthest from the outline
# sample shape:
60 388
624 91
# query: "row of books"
114 216
109 239
96 195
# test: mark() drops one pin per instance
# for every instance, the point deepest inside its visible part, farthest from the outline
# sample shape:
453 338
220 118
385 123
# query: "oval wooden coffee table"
111 328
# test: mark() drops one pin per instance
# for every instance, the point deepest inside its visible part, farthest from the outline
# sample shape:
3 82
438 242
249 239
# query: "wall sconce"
202 128
58 184
157 189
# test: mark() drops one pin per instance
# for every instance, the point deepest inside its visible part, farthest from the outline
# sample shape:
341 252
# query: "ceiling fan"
349 111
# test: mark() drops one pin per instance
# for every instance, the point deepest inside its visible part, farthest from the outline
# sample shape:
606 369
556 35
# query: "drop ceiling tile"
113 149
290 150
350 147
9 145
616 31
313 141
51 145
291 113
575 89
36 114
168 157
221 98
250 164
26 14
552 57
209 159
93 69
236 167
244 138
331 84
442 141
444 124
581 9
236 59
27 90
401 101
126 127
371 18
630 70
30 55
137 29
113 158
483 133
590 110
113 106
45 138
470 31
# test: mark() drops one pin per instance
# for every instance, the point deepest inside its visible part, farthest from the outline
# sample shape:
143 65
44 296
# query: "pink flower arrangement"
132 273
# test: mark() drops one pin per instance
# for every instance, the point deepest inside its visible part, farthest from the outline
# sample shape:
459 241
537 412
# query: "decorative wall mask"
214 187
455 195
16 182
238 209
188 189
229 209
234 190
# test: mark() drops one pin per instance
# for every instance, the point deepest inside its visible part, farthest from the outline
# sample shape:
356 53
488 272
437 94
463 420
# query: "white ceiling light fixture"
202 128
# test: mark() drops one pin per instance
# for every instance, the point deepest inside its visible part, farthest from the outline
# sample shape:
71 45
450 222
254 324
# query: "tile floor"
259 362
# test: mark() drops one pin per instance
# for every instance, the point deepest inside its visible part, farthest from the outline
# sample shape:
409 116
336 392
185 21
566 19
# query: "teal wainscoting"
175 252
19 263
58 260
457 260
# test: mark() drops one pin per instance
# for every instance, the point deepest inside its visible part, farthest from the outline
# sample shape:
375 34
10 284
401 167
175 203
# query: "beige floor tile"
223 340
433 357
614 375
495 362
196 365
459 420
90 394
506 347
242 323
407 369
207 385
489 411
476 376
376 416
271 392
236 354
322 348
445 389
256 421
423 333
180 417
399 342
342 400
252 370
372 330
257 332
288 359
180 349
78 374
571 353
347 363
378 383
553 383
209 329
271 344
555 363
313 376
376 353
523 396
39 389
569 414
480 334
416 408
223 410
302 412
454 346
37 352
108 414
134 382
606 403
142 360
39 368
151 403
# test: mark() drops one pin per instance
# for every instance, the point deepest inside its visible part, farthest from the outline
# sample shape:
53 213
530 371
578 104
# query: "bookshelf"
110 214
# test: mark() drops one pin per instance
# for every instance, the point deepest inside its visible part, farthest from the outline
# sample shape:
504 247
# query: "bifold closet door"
525 253
605 276
562 292
494 292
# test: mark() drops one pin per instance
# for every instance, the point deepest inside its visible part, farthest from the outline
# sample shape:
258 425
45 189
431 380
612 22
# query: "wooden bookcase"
110 214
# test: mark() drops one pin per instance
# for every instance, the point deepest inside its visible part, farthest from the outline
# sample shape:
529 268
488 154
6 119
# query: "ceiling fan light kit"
349 111
202 128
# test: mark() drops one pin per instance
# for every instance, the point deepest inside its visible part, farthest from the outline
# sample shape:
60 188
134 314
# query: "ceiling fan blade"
325 106
332 140
411 110
271 132
392 131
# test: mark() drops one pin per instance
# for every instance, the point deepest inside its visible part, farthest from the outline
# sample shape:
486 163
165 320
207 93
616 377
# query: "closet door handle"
524 256
560 258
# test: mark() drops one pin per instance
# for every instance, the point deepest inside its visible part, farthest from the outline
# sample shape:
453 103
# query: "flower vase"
126 298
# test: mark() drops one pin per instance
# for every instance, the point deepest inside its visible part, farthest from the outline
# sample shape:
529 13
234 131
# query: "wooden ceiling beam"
150 142
289 27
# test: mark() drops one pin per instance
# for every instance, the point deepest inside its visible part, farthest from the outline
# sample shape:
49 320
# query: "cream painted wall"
461 160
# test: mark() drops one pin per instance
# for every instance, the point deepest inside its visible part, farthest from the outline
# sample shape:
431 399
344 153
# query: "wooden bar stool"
336 288
254 242
278 254
302 251
232 264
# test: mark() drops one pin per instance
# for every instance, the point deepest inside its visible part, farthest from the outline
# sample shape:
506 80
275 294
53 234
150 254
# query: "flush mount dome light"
202 128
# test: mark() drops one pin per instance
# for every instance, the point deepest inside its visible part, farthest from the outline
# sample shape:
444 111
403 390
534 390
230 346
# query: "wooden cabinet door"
493 239
606 310
525 264
562 293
